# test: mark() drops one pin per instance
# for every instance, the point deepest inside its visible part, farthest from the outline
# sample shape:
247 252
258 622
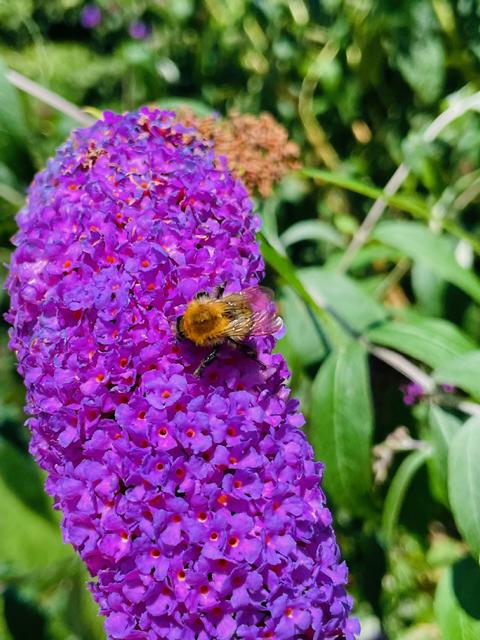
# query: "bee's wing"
265 317
240 317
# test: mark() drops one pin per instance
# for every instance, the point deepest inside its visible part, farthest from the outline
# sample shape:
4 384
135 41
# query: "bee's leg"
220 289
206 361
201 294
248 351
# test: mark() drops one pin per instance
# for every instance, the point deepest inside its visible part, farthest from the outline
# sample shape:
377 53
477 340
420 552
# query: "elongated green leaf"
27 540
286 270
344 296
405 203
312 230
463 371
302 335
457 605
429 289
464 482
418 243
429 340
411 204
341 425
12 122
397 491
443 426
24 479
374 252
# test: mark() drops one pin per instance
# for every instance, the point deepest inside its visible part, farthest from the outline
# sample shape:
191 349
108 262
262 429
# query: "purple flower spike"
91 16
195 502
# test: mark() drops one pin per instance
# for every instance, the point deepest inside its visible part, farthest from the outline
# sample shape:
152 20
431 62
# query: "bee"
211 321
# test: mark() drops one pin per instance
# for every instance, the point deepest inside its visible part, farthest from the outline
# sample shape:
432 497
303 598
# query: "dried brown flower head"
257 147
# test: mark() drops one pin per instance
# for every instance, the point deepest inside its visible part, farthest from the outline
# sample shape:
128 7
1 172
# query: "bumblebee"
211 321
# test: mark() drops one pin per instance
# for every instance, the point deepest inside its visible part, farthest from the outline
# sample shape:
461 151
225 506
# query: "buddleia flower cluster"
195 503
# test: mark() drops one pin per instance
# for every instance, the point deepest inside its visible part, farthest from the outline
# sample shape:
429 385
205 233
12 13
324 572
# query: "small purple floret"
196 503
448 388
139 30
412 393
91 16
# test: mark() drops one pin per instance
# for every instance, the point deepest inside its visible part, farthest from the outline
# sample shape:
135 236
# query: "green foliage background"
356 83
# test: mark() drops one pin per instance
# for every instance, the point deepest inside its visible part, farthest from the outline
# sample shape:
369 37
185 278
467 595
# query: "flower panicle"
194 502
257 148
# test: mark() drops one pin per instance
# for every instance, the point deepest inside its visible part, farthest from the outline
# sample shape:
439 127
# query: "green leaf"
397 491
457 605
464 482
463 372
341 425
27 540
282 265
24 479
302 335
429 340
366 256
423 67
443 426
13 129
312 230
429 290
418 243
175 102
409 204
4 634
344 296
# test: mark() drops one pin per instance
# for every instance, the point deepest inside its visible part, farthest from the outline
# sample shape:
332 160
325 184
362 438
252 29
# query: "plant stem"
49 97
393 185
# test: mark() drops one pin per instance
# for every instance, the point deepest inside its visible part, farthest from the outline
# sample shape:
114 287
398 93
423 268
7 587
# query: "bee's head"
179 328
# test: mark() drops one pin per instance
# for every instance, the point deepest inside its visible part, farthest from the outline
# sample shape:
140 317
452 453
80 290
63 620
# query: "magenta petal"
117 625
226 628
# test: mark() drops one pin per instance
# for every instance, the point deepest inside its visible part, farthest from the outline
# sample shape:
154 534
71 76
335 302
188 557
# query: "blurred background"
382 335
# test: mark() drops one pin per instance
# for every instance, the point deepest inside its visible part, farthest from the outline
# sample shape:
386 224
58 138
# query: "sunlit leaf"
429 289
429 340
13 128
24 533
341 425
409 204
457 605
312 230
302 334
442 427
344 296
462 371
464 482
282 265
421 245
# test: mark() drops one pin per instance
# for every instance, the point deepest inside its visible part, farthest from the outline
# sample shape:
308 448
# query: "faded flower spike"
195 502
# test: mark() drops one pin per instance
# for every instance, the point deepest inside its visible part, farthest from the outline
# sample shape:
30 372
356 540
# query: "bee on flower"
211 321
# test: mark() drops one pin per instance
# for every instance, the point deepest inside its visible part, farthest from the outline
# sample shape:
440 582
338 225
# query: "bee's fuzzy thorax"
204 323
